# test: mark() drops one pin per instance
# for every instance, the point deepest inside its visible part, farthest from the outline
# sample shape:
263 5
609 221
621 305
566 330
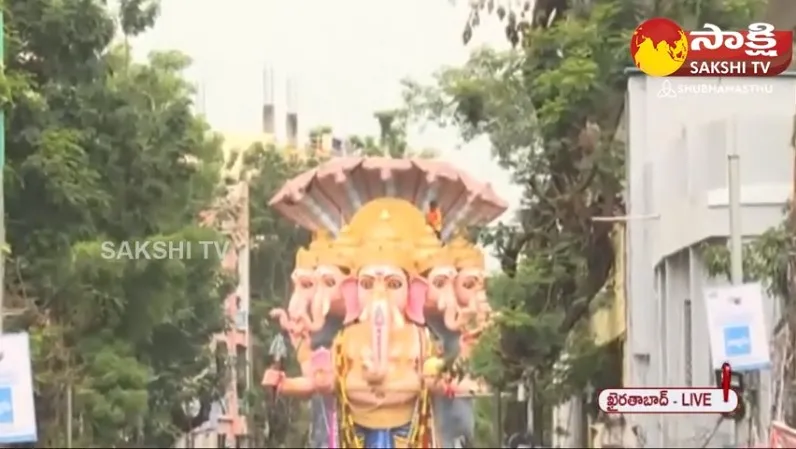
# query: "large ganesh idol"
457 312
377 307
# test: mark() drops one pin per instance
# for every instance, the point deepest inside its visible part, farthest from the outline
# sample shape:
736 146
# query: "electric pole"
2 181
736 242
736 276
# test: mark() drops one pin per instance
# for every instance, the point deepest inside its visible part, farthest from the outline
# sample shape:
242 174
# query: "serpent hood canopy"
326 197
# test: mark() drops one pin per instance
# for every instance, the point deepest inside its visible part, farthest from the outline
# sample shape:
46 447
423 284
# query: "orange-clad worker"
434 217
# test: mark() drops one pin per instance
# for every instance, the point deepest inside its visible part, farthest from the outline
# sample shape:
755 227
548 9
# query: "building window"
222 355
241 315
221 440
241 370
241 320
689 344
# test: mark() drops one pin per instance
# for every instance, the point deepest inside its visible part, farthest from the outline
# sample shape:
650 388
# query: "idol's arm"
302 387
448 386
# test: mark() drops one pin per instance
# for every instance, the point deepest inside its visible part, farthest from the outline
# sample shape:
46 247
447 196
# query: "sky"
346 58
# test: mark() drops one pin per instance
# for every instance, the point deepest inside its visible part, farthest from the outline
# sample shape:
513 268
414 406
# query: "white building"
679 132
280 107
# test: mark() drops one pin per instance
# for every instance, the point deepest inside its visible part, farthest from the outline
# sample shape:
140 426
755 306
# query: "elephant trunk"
451 318
449 338
318 310
483 310
455 317
483 316
284 320
380 316
451 315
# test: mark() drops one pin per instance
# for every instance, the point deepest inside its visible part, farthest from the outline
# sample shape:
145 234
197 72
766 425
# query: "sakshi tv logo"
660 47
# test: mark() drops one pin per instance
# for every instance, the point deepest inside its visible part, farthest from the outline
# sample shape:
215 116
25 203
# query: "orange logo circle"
659 47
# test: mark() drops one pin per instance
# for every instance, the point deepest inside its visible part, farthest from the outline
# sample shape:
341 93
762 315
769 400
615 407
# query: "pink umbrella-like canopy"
327 196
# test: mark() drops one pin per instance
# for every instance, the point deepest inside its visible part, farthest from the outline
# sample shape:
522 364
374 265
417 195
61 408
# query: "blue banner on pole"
737 341
737 329
17 409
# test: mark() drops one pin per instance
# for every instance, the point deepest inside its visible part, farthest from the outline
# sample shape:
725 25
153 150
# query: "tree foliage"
771 260
392 139
550 109
546 111
103 150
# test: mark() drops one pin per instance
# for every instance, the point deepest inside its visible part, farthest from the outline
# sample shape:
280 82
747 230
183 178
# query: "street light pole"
69 418
2 181
736 238
498 395
736 244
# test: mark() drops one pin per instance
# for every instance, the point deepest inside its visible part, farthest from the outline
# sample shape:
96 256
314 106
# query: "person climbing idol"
434 218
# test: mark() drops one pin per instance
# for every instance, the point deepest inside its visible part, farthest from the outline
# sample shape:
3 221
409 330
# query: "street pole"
736 240
69 415
498 417
2 181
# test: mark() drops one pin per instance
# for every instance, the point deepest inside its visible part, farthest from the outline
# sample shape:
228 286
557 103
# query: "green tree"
367 145
392 133
550 109
316 134
392 140
768 259
102 150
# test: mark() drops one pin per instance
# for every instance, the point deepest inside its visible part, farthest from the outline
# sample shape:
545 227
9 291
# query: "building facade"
678 133
233 347
279 115
227 426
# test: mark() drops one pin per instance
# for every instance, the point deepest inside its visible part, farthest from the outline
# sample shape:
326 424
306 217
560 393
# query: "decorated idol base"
379 301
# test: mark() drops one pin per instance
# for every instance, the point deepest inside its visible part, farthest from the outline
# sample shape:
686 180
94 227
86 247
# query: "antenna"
268 100
292 95
291 118
268 84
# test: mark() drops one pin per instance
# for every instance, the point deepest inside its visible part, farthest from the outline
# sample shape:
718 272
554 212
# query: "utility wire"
712 433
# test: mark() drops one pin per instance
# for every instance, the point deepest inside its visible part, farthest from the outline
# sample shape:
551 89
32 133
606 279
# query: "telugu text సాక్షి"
760 50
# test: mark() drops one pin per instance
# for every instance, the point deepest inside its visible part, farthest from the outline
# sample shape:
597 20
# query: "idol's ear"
418 291
353 308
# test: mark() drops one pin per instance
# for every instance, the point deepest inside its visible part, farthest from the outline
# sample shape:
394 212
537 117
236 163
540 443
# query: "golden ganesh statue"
379 302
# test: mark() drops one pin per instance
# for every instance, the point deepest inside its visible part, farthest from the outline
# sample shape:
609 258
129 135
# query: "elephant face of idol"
387 290
328 297
470 287
442 297
295 319
471 293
